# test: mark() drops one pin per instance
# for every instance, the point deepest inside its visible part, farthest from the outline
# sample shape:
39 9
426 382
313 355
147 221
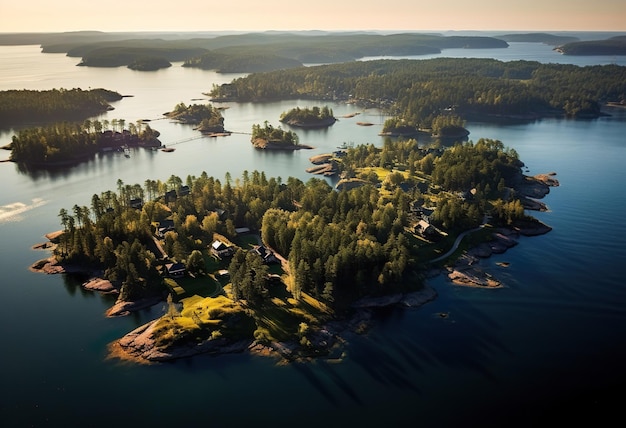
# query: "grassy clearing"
204 286
201 318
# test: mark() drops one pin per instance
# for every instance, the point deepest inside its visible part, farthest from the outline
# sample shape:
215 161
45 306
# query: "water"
550 343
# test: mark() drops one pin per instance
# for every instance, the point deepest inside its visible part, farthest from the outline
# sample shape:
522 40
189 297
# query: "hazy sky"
205 15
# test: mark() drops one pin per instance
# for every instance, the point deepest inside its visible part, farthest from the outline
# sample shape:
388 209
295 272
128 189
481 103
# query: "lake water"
552 342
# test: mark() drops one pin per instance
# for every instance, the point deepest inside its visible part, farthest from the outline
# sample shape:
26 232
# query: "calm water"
552 341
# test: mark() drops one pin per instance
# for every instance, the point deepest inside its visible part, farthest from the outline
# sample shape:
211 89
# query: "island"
287 269
65 143
417 93
28 107
613 46
206 117
314 117
149 63
271 138
545 38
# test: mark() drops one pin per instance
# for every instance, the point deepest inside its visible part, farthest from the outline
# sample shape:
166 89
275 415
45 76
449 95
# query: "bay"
548 344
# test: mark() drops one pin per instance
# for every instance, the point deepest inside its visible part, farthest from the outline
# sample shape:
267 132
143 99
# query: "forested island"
613 46
314 117
206 117
246 62
271 138
281 267
21 107
67 143
545 38
149 63
420 92
142 58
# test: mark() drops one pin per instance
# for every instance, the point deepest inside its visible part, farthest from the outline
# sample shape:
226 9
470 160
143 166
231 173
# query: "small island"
207 118
270 138
314 117
149 63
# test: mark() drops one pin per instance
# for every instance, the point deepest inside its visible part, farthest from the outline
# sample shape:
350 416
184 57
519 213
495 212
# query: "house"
267 255
164 227
424 228
183 191
170 196
136 203
175 270
219 249
242 230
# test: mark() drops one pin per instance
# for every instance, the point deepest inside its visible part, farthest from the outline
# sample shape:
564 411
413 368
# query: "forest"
19 107
418 92
340 245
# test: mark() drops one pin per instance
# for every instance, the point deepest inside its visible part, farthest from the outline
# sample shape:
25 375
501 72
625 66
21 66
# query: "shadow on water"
413 340
340 382
306 371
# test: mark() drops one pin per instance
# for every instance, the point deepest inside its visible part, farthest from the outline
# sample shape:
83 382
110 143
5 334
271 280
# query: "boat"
167 149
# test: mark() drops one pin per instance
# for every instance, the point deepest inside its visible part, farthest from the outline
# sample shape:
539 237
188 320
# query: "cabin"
164 227
424 228
175 270
170 196
220 249
183 191
136 203
267 255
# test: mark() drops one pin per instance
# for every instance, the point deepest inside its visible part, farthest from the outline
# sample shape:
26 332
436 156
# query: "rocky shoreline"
263 144
140 346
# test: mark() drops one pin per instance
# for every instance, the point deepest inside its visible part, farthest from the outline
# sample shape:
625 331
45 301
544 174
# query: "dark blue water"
550 344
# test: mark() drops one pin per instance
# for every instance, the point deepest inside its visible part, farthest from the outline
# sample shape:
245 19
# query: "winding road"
457 241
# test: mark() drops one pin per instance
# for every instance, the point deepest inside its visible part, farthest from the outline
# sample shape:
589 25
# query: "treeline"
419 91
68 142
19 107
224 62
242 52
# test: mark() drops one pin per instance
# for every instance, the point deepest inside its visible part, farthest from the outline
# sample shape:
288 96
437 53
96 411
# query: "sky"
253 15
